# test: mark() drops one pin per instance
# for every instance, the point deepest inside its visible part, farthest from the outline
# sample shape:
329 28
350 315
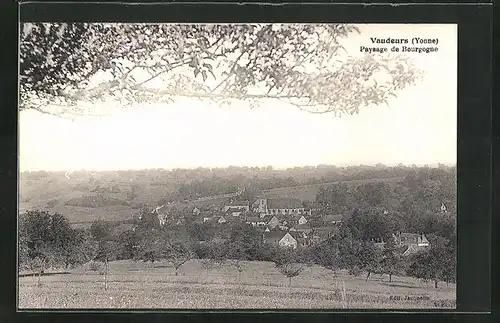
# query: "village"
284 222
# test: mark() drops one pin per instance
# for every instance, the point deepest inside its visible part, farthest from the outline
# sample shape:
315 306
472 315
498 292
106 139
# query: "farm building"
236 206
285 207
279 206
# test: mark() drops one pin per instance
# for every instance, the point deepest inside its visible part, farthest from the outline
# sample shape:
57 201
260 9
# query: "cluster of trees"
47 240
205 187
356 250
421 190
373 212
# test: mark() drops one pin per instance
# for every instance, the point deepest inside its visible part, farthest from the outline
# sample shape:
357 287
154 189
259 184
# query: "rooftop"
332 217
237 203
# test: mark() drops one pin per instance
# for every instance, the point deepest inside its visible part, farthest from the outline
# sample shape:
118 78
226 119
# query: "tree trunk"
390 277
39 278
289 281
176 271
435 284
367 276
105 274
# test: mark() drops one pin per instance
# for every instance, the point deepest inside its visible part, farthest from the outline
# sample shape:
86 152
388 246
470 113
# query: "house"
410 250
161 212
273 222
162 218
255 221
324 233
297 219
306 228
236 206
234 212
302 220
443 208
221 220
406 243
419 240
282 239
302 238
196 211
334 219
288 241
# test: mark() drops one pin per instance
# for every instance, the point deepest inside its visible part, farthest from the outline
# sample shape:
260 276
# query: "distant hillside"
308 192
124 193
96 201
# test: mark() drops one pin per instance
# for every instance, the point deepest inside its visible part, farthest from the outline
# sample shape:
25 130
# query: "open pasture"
260 286
308 192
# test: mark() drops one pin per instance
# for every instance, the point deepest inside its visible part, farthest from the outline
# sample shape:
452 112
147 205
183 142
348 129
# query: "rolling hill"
308 192
84 200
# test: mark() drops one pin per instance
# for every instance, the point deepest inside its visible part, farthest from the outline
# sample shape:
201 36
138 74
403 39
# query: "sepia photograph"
237 166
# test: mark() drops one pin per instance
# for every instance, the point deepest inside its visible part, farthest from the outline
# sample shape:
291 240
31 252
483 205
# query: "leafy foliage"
438 263
47 240
178 253
287 263
391 262
303 65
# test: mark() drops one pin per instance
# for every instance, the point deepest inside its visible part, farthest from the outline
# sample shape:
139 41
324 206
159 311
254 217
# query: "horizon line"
432 165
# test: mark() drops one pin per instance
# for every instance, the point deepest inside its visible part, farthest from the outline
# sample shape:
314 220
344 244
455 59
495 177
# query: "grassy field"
308 192
260 286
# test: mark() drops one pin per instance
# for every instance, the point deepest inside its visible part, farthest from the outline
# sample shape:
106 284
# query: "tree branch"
231 71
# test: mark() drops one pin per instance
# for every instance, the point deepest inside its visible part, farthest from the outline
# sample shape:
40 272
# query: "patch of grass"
145 285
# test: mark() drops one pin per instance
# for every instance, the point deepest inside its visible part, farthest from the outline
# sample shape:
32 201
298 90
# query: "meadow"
260 286
308 192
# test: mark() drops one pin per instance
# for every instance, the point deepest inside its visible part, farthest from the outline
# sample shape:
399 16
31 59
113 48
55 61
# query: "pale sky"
419 127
